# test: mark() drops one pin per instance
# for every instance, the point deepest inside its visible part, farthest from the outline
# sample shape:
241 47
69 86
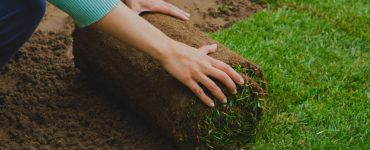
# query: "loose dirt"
213 15
45 102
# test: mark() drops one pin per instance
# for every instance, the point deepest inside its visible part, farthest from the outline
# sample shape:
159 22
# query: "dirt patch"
45 102
213 15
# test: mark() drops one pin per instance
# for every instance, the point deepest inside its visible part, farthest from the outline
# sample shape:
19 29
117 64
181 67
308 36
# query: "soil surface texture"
213 15
46 103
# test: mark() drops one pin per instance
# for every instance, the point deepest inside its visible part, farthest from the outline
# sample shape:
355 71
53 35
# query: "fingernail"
212 104
214 45
187 14
241 81
235 91
224 100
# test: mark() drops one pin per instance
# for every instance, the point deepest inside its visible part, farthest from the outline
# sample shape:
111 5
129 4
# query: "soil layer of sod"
45 102
143 85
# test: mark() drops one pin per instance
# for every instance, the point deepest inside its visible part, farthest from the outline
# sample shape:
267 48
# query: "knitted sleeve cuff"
86 12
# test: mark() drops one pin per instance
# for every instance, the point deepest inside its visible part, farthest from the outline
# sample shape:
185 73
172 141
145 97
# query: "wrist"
164 50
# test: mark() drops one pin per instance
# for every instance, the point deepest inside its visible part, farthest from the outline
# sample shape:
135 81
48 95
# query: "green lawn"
315 54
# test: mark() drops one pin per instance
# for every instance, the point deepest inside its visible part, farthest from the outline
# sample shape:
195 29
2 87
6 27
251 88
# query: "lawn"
315 54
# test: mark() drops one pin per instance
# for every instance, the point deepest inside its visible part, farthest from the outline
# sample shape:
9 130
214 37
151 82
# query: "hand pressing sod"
189 65
140 6
192 66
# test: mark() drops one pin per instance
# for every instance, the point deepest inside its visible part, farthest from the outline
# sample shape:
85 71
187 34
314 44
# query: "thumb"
208 49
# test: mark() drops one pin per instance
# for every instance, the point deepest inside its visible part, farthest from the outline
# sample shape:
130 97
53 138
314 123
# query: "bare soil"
213 15
45 102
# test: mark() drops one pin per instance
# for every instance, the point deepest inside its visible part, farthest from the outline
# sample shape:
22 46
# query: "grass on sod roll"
231 125
315 56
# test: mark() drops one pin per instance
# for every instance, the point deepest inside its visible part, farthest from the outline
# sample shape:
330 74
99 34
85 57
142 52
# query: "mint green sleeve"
86 12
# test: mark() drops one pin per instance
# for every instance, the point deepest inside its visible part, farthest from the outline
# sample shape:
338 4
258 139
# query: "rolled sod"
143 85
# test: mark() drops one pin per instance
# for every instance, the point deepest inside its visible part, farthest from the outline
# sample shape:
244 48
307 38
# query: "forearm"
130 28
116 19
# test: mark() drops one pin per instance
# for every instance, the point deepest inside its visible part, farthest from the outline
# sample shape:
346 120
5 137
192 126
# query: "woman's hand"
139 6
193 67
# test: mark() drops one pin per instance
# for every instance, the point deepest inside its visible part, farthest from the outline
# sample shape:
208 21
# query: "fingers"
157 6
212 87
229 71
197 90
179 10
224 78
169 9
208 49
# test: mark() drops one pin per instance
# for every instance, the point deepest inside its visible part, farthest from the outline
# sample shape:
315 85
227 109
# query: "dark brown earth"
213 15
45 102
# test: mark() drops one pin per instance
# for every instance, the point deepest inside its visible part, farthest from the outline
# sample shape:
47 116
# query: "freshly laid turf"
315 55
